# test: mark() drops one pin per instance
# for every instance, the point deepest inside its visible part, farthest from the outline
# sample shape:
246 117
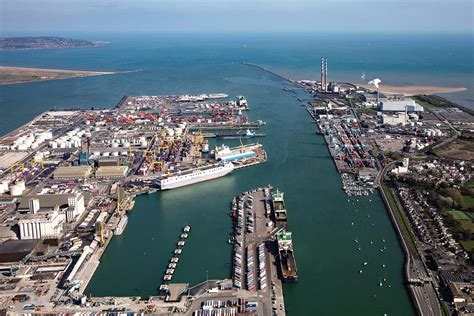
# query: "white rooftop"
400 105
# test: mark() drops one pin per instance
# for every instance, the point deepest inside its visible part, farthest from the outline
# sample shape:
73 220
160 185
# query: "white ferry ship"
194 176
225 153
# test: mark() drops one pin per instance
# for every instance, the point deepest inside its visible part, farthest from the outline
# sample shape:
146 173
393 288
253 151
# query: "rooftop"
71 172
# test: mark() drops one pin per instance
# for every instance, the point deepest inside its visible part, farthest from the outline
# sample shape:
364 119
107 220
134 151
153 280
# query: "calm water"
320 214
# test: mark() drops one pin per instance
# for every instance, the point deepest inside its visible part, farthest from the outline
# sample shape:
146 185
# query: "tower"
323 85
326 74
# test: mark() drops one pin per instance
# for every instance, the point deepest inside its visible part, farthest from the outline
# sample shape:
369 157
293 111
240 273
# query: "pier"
170 269
255 259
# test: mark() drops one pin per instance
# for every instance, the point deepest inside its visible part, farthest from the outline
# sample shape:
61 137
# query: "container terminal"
68 179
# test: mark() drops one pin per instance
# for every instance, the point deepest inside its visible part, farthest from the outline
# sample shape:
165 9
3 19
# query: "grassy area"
470 184
366 111
457 149
467 201
468 245
467 226
401 219
458 215
425 104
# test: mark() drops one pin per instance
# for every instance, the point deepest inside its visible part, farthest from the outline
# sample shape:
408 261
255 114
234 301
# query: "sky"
56 16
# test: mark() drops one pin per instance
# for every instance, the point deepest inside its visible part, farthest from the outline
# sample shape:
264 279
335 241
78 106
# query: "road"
424 293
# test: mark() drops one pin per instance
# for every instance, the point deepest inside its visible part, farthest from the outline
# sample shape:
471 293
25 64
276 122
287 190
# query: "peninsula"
45 42
13 75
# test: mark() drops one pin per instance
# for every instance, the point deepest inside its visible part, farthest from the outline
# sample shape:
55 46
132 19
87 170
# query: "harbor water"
335 277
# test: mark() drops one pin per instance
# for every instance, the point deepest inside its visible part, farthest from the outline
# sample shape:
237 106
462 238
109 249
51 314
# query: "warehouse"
16 250
400 106
72 172
111 172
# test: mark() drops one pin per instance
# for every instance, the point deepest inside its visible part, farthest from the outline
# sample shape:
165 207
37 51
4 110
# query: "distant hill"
44 42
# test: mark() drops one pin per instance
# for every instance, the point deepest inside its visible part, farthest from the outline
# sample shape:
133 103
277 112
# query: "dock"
254 251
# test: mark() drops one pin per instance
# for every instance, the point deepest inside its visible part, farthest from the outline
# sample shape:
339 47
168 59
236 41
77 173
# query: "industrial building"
407 105
47 214
49 201
111 172
42 225
394 119
403 168
16 250
72 172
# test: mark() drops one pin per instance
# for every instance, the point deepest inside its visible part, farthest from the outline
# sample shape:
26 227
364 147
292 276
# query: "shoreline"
67 74
410 90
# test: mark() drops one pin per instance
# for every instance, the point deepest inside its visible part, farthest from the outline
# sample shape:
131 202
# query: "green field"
468 245
401 219
458 215
467 201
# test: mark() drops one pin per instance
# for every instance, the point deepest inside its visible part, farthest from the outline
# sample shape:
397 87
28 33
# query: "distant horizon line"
37 33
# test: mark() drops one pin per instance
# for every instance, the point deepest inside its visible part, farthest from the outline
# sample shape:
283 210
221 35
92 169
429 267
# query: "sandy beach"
412 90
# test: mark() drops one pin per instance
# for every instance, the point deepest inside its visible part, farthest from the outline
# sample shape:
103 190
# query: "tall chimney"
326 74
322 74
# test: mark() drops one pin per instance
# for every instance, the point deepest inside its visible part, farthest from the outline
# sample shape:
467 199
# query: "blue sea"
175 63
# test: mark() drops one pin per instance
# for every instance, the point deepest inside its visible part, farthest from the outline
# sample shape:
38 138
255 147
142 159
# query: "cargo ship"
193 176
225 153
279 208
286 256
248 134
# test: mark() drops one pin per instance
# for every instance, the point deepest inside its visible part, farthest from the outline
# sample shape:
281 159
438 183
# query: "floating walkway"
170 269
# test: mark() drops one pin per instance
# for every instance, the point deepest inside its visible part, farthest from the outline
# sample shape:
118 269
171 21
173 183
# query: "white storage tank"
22 147
21 184
15 189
